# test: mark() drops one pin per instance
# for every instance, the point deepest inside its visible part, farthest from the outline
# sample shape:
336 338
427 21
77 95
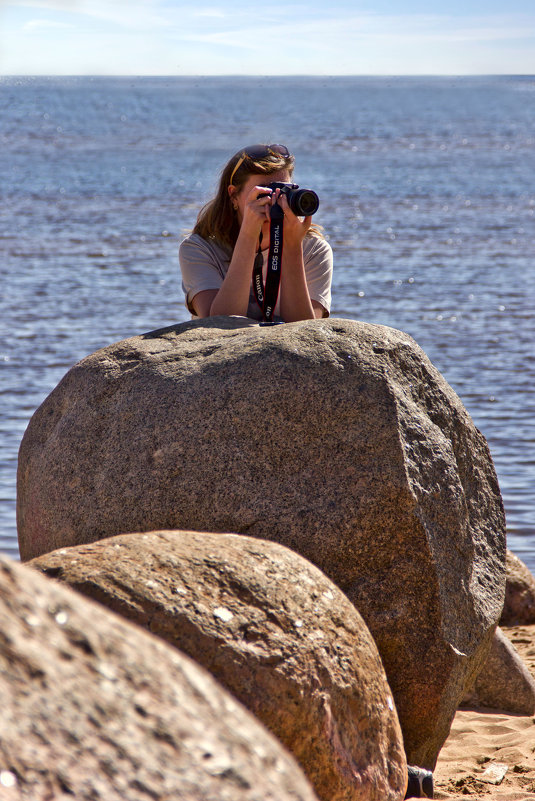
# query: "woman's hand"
256 210
295 228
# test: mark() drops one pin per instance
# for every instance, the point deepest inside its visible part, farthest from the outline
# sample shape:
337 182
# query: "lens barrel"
303 202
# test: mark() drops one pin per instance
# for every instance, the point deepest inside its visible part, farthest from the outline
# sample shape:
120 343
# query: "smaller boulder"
519 605
504 683
95 708
273 630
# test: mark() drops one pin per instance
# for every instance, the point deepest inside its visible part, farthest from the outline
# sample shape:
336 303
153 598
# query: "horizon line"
270 75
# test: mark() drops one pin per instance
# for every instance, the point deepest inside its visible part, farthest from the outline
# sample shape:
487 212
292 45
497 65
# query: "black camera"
303 202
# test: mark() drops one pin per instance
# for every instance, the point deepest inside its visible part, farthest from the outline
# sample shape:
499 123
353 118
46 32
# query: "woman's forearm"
233 295
295 303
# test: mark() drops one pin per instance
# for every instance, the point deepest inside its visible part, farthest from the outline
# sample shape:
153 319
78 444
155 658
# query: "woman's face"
240 197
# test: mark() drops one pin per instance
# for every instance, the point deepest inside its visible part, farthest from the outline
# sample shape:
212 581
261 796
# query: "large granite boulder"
274 631
336 438
519 604
95 708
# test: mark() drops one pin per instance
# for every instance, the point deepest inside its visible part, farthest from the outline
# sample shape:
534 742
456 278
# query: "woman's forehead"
263 180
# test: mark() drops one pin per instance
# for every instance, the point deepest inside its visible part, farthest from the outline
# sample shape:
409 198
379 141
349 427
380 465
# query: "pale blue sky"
322 37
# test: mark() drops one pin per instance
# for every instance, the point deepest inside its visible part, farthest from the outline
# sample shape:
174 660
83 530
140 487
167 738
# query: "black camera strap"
267 294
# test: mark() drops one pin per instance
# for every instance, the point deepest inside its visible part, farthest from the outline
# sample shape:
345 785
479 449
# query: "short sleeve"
202 267
318 259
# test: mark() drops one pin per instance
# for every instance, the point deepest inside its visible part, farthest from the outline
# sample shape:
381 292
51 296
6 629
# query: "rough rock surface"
95 709
519 605
505 682
339 439
274 631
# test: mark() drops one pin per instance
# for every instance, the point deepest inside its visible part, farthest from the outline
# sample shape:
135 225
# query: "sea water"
427 196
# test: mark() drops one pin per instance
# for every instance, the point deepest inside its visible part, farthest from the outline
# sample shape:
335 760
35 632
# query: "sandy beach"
490 754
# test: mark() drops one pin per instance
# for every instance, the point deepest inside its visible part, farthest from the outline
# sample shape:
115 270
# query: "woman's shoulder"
316 244
197 243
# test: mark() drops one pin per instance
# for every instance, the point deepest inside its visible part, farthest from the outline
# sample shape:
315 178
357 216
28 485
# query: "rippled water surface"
427 195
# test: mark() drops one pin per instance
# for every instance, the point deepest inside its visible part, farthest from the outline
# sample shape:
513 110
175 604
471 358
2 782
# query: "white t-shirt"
204 264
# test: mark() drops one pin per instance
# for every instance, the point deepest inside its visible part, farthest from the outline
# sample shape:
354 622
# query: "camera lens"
304 202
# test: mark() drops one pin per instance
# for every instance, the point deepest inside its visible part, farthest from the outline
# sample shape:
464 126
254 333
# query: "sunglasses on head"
259 152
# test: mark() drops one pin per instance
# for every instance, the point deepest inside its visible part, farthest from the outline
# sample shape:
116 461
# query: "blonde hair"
217 219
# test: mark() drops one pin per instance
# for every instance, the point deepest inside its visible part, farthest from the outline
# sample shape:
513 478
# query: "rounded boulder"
519 604
95 708
273 630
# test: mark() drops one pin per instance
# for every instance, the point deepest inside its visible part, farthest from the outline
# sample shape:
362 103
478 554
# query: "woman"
217 259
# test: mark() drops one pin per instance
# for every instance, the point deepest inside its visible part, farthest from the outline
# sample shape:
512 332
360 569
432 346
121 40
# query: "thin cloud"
51 5
363 44
141 14
45 24
335 32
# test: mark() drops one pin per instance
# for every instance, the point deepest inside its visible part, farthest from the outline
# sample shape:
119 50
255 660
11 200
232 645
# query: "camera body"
303 202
